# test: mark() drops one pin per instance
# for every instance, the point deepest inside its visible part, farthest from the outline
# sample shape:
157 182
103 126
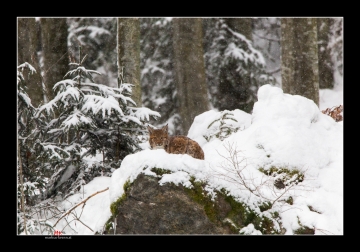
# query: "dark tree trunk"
299 57
241 25
189 68
326 72
54 33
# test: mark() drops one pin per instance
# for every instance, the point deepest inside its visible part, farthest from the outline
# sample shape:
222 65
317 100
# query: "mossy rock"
146 207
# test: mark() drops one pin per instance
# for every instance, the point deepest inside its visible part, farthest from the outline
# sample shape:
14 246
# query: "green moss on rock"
239 215
114 208
272 171
160 171
228 213
304 230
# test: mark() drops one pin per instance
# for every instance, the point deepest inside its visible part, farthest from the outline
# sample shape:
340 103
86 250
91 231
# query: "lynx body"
160 139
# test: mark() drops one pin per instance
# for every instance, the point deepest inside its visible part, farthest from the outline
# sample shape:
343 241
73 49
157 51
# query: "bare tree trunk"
326 72
129 54
299 57
54 33
189 68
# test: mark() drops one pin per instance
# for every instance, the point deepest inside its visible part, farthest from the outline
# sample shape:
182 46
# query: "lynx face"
158 137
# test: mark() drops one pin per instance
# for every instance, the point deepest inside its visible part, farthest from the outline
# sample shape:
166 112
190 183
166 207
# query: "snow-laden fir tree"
235 69
97 37
30 131
31 171
89 119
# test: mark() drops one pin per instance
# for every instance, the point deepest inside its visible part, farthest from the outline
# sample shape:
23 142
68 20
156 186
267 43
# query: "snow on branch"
81 71
107 91
61 85
26 99
28 66
64 97
76 119
98 104
144 113
53 150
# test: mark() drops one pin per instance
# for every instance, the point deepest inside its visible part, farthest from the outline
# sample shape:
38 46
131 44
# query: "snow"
284 130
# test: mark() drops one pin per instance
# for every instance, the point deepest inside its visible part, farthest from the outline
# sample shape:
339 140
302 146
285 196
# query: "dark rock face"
153 209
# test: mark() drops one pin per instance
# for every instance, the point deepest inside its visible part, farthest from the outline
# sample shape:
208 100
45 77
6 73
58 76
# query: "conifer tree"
29 134
235 69
31 177
97 37
90 118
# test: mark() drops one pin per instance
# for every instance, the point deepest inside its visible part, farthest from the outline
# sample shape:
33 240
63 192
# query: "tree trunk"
54 33
28 41
189 69
129 54
241 25
326 73
299 57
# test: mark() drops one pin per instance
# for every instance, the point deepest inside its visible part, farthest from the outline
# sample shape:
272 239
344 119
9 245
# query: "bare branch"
234 171
82 202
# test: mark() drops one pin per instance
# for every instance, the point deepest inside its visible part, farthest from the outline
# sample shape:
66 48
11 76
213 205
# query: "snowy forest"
90 86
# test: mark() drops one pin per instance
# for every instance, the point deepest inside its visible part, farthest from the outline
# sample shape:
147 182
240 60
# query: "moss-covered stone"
114 206
265 206
272 171
238 216
304 230
198 195
108 228
224 211
160 171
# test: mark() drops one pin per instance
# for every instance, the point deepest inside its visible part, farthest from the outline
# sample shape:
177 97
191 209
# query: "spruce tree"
32 176
30 131
235 69
89 119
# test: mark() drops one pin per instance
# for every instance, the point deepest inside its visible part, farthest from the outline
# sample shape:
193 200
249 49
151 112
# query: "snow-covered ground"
283 131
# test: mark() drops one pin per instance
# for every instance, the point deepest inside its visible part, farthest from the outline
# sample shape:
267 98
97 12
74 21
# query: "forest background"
162 71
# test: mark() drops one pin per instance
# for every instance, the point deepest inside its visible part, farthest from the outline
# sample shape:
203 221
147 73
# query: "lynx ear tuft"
150 129
165 128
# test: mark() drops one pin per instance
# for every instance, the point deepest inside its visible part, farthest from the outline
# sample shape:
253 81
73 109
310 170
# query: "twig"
266 38
286 190
274 71
85 225
82 202
323 231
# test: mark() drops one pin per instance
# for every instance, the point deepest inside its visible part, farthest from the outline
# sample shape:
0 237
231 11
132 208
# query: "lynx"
160 139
